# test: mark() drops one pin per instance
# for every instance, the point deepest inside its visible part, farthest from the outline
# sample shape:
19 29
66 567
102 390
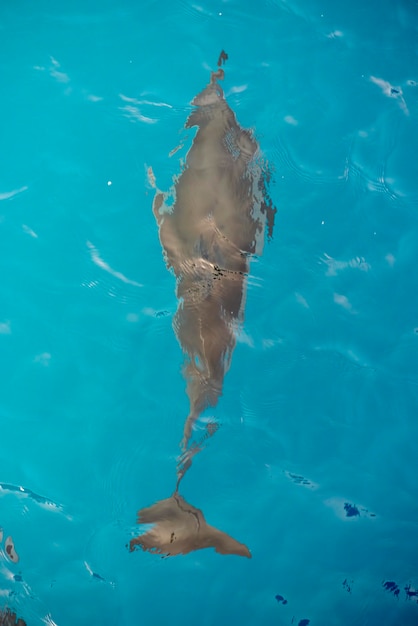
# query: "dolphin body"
218 220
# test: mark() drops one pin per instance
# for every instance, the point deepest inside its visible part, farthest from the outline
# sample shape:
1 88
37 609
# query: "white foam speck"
5 328
289 119
43 359
342 301
132 317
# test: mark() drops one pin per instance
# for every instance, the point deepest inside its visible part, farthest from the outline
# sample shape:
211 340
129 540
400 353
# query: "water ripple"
97 259
286 164
28 493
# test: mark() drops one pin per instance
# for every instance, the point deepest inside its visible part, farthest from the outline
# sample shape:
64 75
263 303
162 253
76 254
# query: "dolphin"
213 220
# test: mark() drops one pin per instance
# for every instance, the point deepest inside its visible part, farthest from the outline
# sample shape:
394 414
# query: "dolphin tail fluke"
178 527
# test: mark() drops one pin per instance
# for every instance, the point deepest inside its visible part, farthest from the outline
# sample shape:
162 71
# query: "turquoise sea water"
315 464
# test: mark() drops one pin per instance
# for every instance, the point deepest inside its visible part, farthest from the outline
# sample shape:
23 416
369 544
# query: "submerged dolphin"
218 220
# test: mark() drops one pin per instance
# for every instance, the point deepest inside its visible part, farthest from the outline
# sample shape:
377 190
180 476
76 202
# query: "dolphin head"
210 102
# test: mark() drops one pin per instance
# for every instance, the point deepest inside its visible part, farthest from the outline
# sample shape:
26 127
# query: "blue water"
315 464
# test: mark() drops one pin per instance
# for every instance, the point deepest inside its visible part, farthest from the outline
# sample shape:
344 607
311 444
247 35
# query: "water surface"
314 466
